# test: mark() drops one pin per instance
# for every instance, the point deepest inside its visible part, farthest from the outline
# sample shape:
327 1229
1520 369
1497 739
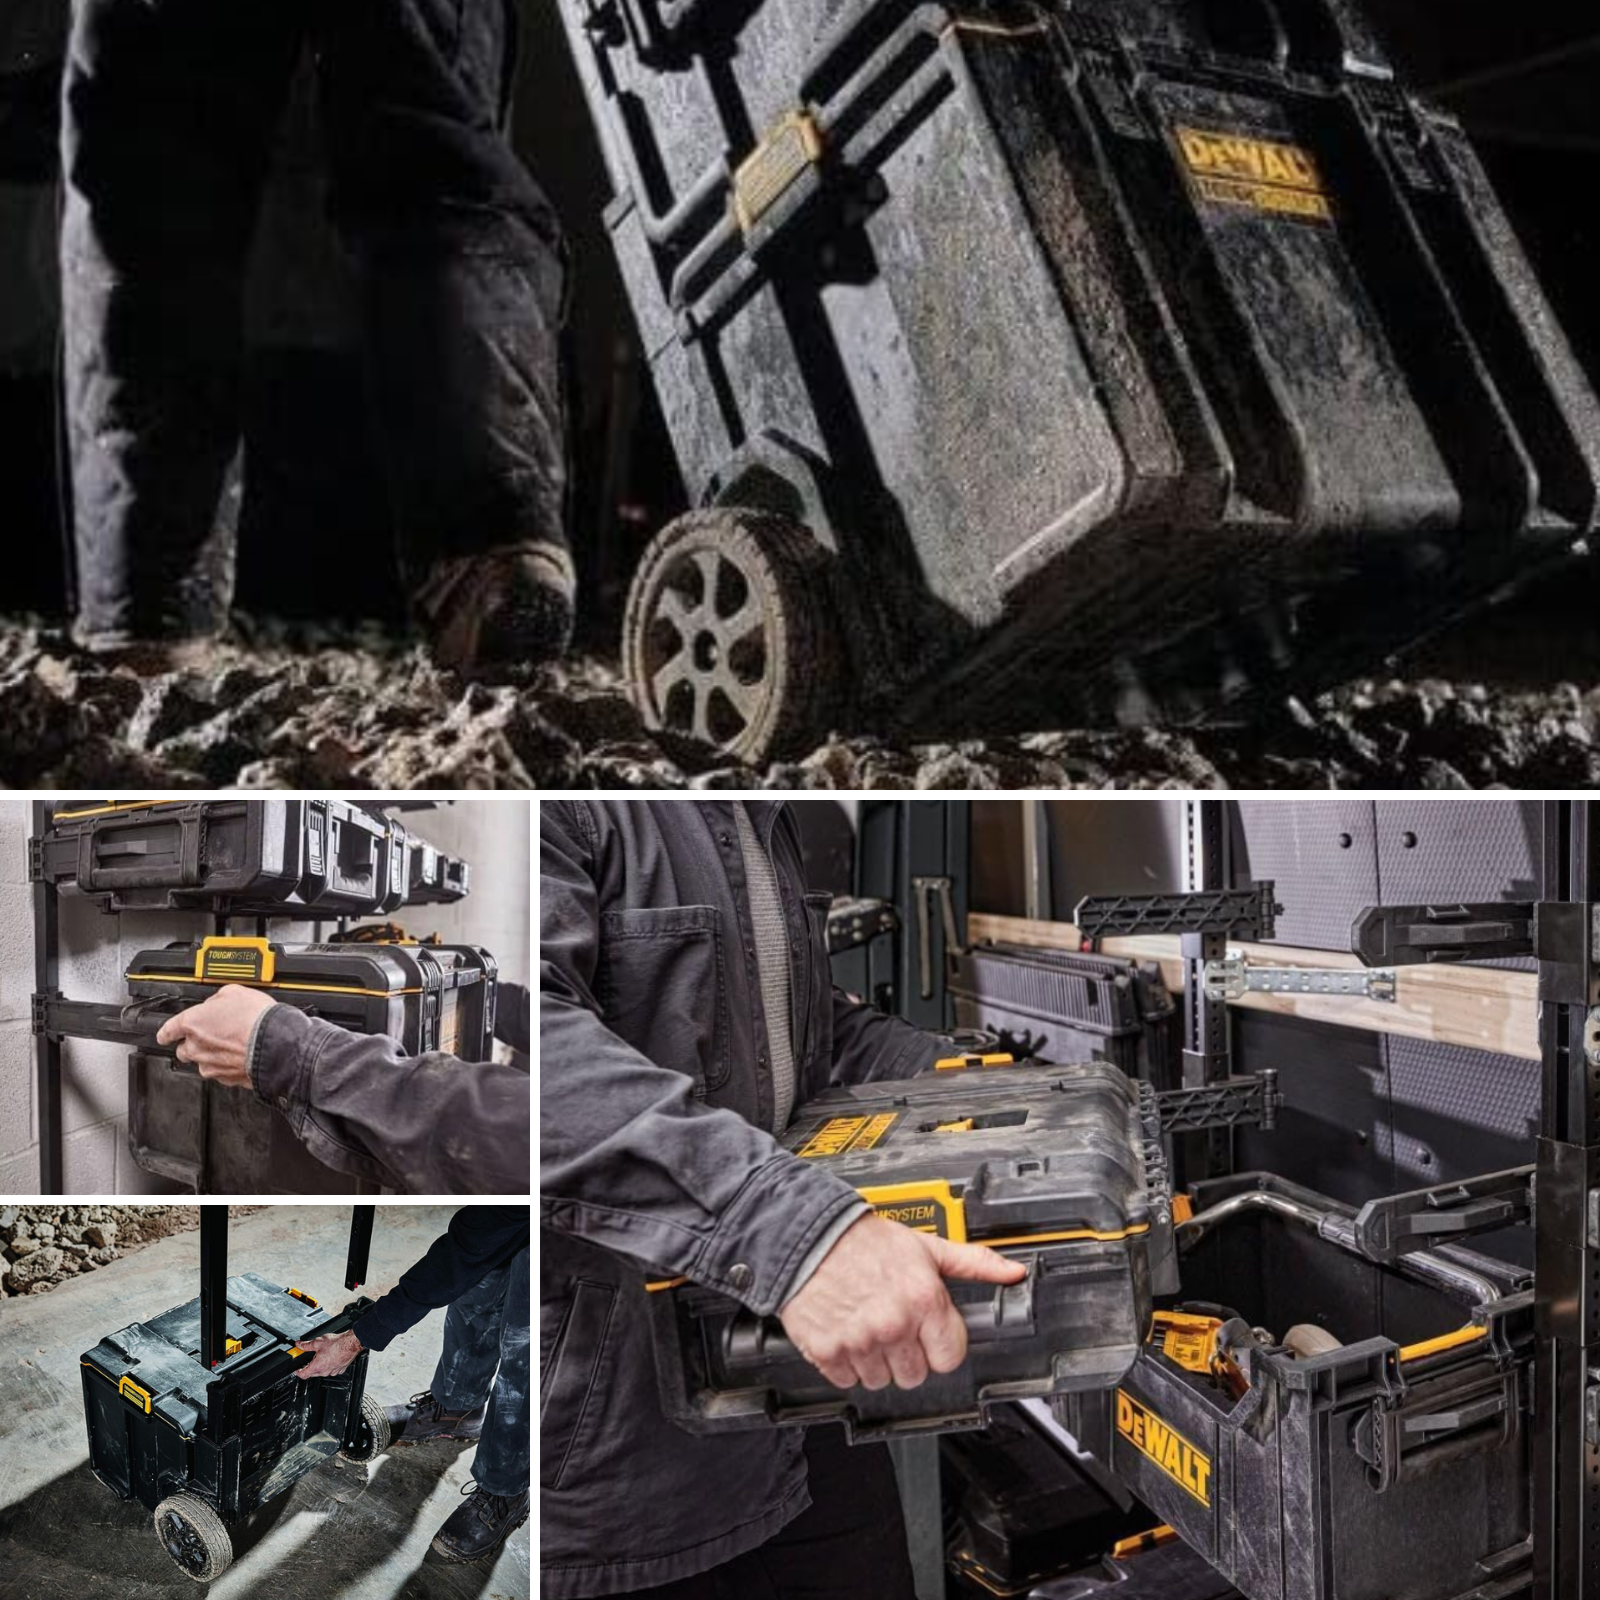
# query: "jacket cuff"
815 1256
784 1208
279 1058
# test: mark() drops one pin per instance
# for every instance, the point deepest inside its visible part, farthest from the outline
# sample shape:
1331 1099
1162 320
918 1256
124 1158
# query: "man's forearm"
427 1124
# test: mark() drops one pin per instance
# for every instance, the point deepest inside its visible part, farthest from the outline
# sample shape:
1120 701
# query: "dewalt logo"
1187 1466
839 1134
1260 174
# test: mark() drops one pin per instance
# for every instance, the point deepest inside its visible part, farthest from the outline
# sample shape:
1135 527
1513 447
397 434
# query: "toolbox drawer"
1395 1467
1059 1166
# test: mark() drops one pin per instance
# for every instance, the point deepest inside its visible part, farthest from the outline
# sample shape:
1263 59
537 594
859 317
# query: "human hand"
334 1353
877 1311
215 1035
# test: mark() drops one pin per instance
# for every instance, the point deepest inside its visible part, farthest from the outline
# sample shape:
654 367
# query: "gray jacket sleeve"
868 1045
428 1124
629 1159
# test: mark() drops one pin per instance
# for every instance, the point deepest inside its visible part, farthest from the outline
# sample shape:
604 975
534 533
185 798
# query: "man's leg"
463 274
169 111
848 1544
455 1403
501 1468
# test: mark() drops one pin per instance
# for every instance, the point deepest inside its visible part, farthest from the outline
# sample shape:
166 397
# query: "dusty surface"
271 712
1424 733
347 1530
42 1246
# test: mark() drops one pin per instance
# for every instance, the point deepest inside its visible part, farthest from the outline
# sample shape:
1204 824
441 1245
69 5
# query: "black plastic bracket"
1238 913
1403 936
1393 1225
1227 1103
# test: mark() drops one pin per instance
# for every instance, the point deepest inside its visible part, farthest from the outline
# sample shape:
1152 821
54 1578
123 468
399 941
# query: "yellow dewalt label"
1260 174
1187 1466
839 1134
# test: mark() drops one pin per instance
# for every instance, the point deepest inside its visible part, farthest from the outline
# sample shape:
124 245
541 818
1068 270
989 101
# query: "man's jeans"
171 110
488 1327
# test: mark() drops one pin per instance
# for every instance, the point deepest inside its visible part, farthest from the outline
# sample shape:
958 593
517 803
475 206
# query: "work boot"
479 1526
147 658
422 1418
503 609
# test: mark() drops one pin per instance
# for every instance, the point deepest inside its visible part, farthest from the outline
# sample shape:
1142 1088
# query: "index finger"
173 1029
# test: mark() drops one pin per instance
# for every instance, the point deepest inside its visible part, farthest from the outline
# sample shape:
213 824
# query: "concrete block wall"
492 833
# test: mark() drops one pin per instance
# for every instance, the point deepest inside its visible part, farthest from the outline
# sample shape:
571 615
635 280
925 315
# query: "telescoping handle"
752 1342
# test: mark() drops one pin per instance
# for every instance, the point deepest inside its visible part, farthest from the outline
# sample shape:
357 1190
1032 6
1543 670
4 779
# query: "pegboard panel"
1322 856
1475 849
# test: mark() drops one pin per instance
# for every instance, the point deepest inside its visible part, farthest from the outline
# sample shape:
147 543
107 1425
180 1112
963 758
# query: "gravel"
273 710
43 1245
1415 733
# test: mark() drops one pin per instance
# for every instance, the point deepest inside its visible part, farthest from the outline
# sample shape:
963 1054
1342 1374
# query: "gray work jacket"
655 1092
428 1124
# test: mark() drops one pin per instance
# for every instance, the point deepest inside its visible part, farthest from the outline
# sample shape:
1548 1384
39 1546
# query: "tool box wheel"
194 1536
726 635
374 1438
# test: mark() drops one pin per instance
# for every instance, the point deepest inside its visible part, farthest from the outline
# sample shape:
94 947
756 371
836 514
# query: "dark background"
1523 78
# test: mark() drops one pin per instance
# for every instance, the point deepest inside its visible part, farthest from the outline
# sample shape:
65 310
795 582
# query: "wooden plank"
1485 1008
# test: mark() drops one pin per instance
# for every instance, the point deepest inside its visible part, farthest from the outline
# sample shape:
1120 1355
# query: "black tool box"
198 1415
1069 346
1059 1165
310 858
1060 1005
1393 1462
424 997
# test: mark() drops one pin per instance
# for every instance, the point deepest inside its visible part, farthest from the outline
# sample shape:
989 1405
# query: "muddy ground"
262 711
279 710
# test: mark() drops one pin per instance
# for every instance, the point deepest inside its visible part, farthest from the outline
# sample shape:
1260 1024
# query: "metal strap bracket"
1232 977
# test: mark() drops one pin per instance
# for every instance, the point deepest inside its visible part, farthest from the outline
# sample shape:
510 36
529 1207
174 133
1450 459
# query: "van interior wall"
96 946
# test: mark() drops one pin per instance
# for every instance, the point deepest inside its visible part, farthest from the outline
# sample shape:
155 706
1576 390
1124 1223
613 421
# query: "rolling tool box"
424 997
198 1415
1389 1459
309 858
1059 1165
1120 351
1062 1006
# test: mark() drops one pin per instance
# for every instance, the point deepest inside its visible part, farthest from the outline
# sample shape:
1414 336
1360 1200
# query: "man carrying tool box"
686 1008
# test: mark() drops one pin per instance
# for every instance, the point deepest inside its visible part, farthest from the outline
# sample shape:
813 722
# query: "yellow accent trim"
295 1350
300 1294
116 805
912 1205
1148 1540
140 1395
663 1283
964 1126
1074 1233
1161 1444
957 1063
298 988
1445 1341
218 944
1182 1208
231 1347
791 145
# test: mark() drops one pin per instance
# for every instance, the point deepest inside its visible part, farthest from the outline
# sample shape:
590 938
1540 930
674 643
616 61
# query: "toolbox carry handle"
759 1343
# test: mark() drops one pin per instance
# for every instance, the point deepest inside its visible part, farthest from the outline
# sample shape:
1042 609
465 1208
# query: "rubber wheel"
726 637
374 1432
1308 1339
194 1536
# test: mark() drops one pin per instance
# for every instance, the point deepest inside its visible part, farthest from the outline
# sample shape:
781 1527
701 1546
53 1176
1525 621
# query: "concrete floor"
344 1532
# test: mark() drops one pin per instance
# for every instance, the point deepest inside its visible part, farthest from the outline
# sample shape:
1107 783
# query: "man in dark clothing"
480 1387
170 112
686 1008
428 1124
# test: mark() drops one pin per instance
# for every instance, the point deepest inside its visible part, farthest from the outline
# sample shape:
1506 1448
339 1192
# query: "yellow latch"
231 1347
300 1294
963 1126
956 1063
130 1390
225 959
788 149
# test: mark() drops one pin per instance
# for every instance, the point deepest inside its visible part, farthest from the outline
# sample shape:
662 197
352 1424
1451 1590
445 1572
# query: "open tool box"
1060 1165
197 1413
